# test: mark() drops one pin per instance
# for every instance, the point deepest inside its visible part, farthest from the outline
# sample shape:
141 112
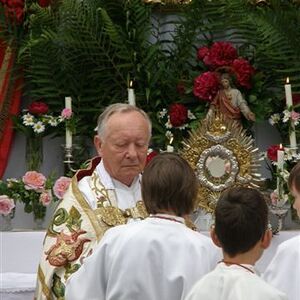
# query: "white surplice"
154 259
233 283
283 272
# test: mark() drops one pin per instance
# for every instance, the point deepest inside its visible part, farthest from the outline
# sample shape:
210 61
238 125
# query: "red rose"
44 3
243 71
202 52
220 54
272 152
178 114
296 99
150 156
206 86
38 108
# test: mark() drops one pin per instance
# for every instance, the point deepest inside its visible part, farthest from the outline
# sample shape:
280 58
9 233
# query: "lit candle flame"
130 84
287 80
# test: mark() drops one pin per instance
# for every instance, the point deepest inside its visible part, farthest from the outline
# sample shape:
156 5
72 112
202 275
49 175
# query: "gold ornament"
222 155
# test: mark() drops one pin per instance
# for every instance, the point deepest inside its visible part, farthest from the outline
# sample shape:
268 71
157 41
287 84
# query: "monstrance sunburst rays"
220 138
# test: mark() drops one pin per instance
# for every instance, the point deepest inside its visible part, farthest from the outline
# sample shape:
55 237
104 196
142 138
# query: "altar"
21 250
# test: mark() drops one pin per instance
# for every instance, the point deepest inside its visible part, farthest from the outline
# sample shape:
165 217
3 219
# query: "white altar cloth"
20 253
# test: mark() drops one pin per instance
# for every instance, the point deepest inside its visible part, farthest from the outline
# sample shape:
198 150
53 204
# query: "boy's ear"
214 237
266 239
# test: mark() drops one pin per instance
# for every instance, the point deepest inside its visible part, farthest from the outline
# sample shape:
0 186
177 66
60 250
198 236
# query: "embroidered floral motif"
58 288
66 249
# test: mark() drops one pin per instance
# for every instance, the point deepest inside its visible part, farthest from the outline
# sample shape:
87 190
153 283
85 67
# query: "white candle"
280 159
288 93
68 104
289 103
131 95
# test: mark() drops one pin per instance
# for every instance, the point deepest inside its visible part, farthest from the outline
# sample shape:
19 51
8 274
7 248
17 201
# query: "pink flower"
66 113
61 185
295 116
6 205
274 198
34 181
46 197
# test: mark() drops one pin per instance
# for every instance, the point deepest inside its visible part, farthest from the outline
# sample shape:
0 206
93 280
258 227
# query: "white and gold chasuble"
78 224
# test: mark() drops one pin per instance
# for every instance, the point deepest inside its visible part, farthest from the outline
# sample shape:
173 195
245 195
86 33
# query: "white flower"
296 156
60 119
162 113
53 121
168 124
38 127
191 116
28 119
184 126
274 119
169 135
286 116
285 175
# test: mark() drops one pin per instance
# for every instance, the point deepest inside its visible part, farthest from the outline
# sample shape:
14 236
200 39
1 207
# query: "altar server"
158 258
242 232
283 271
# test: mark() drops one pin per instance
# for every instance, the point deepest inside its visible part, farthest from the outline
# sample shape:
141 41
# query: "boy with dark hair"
241 230
158 258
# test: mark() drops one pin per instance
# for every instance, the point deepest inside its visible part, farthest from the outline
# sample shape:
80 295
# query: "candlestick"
131 95
293 141
170 148
280 163
68 104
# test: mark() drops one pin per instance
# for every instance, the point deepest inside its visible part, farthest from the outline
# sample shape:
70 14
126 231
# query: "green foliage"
90 50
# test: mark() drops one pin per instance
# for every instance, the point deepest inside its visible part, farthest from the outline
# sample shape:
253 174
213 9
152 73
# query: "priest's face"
296 195
124 145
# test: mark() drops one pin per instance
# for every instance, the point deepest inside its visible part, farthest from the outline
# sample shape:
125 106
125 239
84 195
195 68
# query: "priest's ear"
98 144
214 237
